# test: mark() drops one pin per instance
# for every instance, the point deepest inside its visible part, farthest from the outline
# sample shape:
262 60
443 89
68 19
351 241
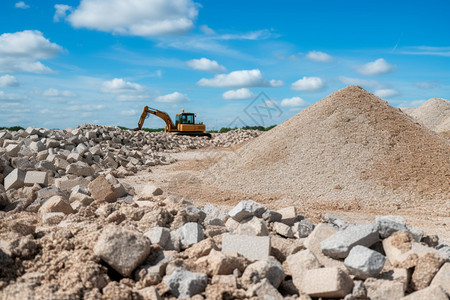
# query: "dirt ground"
185 178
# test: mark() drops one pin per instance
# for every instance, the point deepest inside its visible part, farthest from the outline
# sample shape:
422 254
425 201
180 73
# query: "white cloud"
127 97
175 97
293 102
118 86
276 83
371 84
318 56
61 11
21 52
8 80
22 5
308 84
252 35
57 93
239 94
205 64
237 79
427 85
386 93
377 67
9 97
130 112
86 107
135 17
207 30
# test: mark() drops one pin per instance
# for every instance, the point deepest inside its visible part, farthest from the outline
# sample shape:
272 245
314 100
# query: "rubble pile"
165 247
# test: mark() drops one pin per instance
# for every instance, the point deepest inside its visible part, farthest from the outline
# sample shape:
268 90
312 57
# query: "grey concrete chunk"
326 283
380 289
288 215
122 249
158 235
33 177
13 149
255 227
283 229
299 263
251 247
269 269
364 262
80 169
387 225
246 209
36 146
442 278
14 180
272 216
303 228
340 244
190 234
432 292
184 284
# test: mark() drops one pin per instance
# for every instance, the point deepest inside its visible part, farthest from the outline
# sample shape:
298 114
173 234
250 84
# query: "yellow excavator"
184 122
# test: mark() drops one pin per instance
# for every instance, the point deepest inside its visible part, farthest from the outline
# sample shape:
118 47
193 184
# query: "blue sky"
65 63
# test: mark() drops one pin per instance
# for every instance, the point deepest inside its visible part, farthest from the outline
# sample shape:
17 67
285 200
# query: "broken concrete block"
380 289
13 149
271 216
283 229
326 283
265 290
150 190
442 278
52 218
222 264
14 180
80 168
120 190
251 247
246 209
340 244
74 157
60 163
149 293
101 190
66 184
36 146
303 228
33 177
288 215
184 284
231 224
280 247
268 268
387 225
56 204
364 262
190 234
299 263
158 235
122 249
397 274
426 268
433 292
255 227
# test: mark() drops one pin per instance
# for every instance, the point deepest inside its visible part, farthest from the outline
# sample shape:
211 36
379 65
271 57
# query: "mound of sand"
435 114
349 147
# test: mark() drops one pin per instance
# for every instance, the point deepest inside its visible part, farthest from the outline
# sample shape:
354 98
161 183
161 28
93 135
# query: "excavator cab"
184 118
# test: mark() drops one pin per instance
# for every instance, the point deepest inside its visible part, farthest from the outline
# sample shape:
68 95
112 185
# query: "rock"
359 290
442 278
364 262
380 289
231 224
303 228
119 190
299 263
337 222
326 282
254 227
150 190
52 218
222 264
80 169
36 146
397 274
246 209
13 149
432 292
190 234
288 215
340 244
269 269
22 227
14 180
271 216
158 235
33 177
281 247
56 204
387 225
426 268
184 284
283 229
265 290
149 293
101 190
122 249
251 247
66 184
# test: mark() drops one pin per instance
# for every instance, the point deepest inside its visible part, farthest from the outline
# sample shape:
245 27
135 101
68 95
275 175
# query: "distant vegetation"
14 128
222 130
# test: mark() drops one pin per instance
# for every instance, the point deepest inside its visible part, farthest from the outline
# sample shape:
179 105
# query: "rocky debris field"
154 246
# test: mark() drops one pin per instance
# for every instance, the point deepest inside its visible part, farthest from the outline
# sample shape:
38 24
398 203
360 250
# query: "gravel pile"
154 247
348 148
435 114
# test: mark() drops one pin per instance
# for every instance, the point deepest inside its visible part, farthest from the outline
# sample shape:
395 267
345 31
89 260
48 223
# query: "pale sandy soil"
185 178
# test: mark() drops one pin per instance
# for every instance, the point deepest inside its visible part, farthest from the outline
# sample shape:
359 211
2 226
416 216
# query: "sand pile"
435 114
350 147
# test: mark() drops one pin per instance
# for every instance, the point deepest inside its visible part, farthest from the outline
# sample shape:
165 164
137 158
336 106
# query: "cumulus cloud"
22 5
293 102
377 67
205 64
308 84
207 30
135 17
371 84
118 86
130 112
8 81
57 93
239 94
61 11
237 79
175 97
9 97
318 56
386 93
86 107
21 52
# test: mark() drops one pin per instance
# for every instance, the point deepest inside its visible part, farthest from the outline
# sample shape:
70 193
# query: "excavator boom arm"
163 115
